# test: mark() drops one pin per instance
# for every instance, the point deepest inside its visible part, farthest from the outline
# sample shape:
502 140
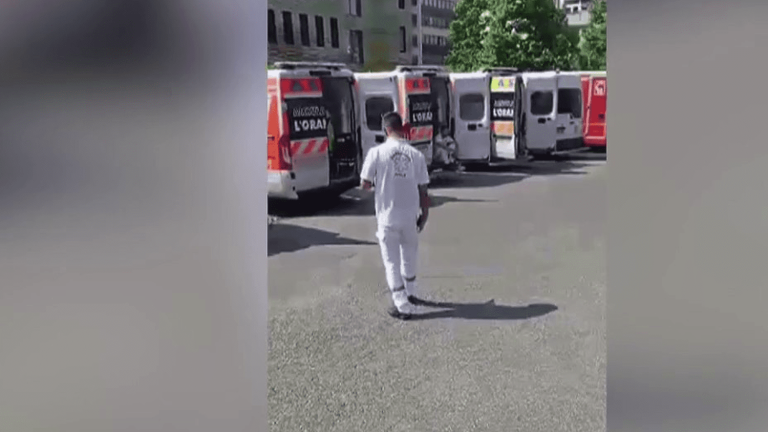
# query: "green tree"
594 46
526 34
466 35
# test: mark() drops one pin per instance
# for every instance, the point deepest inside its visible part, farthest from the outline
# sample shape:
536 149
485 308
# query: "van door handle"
380 139
472 127
542 120
601 116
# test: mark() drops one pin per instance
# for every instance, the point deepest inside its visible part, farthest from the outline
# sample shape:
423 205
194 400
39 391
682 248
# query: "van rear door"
569 112
541 99
473 132
503 115
378 96
343 147
308 121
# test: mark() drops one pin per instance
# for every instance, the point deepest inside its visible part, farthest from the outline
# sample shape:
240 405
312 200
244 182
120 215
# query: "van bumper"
280 185
569 144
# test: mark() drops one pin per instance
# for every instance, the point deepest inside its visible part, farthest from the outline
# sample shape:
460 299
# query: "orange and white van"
313 134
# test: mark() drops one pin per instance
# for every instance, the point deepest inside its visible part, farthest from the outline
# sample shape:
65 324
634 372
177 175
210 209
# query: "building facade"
577 12
436 17
367 35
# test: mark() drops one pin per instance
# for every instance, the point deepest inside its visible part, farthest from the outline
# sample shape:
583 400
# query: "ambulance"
313 132
595 91
552 113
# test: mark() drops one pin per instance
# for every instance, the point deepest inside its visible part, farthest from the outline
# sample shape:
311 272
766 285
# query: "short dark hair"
392 120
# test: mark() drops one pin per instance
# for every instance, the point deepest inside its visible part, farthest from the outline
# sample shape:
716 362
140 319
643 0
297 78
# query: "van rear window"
472 107
569 102
307 118
542 102
375 107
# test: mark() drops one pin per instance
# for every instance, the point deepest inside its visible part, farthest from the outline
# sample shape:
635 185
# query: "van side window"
472 107
542 102
569 102
375 107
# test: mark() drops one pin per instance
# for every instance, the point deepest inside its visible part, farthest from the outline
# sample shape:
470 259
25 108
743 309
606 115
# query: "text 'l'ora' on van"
553 111
313 137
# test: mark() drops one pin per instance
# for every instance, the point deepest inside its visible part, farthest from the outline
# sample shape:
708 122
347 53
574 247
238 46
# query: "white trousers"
399 251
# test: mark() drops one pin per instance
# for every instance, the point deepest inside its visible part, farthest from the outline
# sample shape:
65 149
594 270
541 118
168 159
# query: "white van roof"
469 74
373 75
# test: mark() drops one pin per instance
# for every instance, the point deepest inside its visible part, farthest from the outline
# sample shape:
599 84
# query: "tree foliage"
526 34
594 46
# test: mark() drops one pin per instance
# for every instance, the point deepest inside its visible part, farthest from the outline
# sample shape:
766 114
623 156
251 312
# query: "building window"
415 40
415 2
414 19
320 31
334 32
415 60
271 27
304 29
355 8
403 40
401 4
356 43
288 28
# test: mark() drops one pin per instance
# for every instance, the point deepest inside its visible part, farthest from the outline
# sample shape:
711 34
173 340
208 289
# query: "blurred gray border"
133 226
688 219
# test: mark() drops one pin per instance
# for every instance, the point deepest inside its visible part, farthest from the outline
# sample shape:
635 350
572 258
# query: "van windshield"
502 106
569 102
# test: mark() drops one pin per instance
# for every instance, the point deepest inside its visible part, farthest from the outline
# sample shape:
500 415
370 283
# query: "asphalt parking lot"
513 258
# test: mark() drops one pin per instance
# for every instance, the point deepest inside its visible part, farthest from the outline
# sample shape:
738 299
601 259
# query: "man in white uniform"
397 172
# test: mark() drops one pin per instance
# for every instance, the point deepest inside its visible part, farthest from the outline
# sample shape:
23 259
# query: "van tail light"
284 161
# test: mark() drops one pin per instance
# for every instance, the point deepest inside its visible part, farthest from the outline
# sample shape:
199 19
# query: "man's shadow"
483 311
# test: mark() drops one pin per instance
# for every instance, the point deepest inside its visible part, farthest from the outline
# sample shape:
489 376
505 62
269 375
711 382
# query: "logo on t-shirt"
402 162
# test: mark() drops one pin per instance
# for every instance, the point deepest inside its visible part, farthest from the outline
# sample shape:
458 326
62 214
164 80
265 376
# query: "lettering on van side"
421 109
503 107
307 119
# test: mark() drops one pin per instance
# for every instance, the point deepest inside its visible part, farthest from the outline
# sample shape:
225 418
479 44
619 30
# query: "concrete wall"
380 23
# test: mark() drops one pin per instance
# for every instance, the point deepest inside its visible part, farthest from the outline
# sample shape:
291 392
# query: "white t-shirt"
396 169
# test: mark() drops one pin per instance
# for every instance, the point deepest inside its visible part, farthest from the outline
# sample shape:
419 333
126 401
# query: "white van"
553 111
472 116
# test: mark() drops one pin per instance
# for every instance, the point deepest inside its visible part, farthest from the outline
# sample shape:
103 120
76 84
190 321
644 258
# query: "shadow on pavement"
283 238
484 311
352 203
476 179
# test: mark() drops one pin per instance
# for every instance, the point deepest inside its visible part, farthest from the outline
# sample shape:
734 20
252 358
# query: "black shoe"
416 301
394 313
